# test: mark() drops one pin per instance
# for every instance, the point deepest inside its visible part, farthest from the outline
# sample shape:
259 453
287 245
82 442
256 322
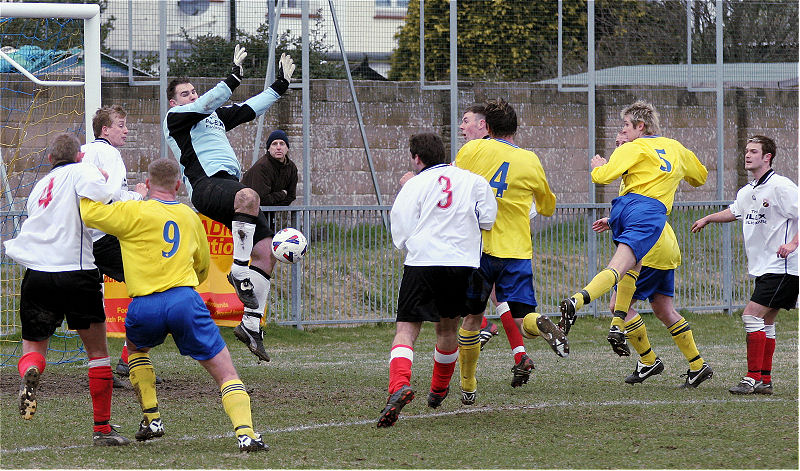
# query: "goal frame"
90 14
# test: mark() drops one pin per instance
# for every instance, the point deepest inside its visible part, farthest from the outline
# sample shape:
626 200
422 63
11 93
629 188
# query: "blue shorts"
178 311
653 281
512 279
637 221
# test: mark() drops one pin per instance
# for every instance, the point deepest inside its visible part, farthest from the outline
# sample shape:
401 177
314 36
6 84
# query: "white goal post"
90 14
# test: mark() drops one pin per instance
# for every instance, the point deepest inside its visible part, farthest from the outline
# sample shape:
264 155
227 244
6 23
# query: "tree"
518 41
210 55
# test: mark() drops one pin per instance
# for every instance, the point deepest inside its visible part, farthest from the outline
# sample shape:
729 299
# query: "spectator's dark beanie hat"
277 134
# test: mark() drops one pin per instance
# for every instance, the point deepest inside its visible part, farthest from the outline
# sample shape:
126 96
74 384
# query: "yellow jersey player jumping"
651 167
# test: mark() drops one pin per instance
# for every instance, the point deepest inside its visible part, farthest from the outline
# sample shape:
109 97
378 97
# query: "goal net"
49 84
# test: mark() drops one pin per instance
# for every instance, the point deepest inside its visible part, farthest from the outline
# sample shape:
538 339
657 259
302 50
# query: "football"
289 245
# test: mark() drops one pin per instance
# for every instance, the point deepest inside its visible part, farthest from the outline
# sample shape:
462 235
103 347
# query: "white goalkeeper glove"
286 67
238 57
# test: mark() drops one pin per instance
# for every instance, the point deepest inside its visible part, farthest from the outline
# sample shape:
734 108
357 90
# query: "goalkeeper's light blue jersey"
196 131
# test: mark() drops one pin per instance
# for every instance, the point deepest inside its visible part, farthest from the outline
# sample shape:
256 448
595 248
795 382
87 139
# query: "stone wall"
552 124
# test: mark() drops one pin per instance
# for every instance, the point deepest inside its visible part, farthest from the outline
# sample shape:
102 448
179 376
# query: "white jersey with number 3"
438 216
53 238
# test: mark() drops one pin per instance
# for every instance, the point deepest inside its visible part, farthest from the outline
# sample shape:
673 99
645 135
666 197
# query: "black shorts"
776 291
433 292
108 257
214 197
46 298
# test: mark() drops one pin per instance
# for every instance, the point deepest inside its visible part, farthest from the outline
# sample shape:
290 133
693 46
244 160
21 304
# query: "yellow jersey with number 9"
163 243
518 180
652 166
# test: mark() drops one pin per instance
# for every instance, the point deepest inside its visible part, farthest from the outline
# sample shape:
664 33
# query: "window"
391 3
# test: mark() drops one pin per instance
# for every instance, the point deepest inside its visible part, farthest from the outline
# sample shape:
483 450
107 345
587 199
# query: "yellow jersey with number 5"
518 181
652 166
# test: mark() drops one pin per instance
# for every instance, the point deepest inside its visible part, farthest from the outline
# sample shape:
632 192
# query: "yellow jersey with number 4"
164 244
518 181
652 166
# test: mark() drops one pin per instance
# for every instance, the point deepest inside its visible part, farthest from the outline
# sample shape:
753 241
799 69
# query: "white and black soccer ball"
289 245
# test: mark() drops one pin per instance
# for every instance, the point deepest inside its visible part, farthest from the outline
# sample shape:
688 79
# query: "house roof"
747 75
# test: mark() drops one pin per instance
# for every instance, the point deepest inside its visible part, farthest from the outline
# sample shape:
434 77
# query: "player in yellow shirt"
519 181
656 283
651 167
165 255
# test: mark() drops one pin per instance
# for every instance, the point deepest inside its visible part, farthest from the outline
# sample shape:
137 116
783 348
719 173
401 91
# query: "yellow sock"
625 289
618 321
143 380
682 335
600 284
529 327
469 349
636 333
236 402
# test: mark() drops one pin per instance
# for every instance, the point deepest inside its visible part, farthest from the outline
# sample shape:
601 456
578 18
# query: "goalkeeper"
195 128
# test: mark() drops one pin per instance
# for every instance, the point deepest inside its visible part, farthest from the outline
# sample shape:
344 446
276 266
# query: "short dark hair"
64 148
767 146
429 147
103 118
174 84
501 119
476 109
163 173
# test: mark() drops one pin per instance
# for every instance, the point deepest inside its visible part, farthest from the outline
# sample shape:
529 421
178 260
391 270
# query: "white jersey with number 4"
53 238
768 211
102 154
438 216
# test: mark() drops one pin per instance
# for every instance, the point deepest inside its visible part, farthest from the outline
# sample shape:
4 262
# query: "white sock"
251 322
261 285
242 247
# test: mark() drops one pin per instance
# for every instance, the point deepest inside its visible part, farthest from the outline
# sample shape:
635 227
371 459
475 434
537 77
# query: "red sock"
444 364
484 322
124 355
755 353
100 388
31 359
515 339
766 363
400 361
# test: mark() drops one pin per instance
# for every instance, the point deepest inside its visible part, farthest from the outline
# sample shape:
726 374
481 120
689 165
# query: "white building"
367 26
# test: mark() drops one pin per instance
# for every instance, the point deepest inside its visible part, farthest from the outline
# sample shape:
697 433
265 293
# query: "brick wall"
552 124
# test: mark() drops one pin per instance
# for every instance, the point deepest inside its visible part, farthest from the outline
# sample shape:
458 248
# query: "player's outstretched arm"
722 216
284 76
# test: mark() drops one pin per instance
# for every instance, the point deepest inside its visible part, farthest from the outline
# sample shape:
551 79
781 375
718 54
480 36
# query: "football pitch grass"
318 400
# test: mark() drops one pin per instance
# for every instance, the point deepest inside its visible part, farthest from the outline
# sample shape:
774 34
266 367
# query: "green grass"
317 402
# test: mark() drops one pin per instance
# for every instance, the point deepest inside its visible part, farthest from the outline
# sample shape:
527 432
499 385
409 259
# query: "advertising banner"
219 295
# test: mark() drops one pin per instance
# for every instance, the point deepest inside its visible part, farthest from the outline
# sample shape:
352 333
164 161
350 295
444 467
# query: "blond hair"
643 112
163 173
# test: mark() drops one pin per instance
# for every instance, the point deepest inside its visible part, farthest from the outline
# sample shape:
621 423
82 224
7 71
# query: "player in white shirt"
437 216
767 207
111 131
61 280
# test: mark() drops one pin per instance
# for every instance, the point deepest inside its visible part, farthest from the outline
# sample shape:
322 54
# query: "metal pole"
592 245
91 77
727 263
163 104
274 17
453 79
358 113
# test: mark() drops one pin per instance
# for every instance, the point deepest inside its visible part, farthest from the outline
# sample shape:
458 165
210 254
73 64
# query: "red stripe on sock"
442 372
31 359
755 353
399 371
514 336
766 362
100 388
